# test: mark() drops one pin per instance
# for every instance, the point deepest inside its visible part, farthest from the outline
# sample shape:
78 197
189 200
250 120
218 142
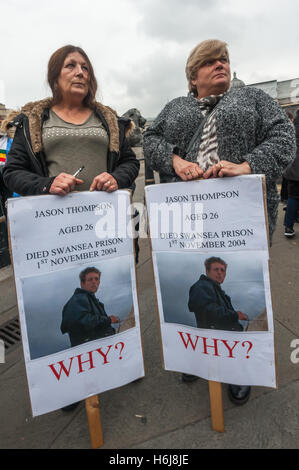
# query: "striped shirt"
208 149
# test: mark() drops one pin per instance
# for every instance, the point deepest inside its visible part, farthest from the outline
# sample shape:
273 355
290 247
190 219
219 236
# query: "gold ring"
221 165
108 182
187 173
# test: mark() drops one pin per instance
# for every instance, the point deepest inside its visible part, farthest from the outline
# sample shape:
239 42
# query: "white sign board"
54 239
210 257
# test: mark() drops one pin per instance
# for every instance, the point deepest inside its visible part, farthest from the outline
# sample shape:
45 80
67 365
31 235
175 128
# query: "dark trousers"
291 212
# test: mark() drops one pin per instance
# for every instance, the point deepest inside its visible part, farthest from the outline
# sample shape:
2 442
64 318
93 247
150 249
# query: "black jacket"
212 307
292 171
84 318
26 172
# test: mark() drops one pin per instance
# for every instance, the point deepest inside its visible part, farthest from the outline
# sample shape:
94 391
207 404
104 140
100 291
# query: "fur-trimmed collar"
34 111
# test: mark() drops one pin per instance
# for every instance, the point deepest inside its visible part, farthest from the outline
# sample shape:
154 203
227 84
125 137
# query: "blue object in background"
8 145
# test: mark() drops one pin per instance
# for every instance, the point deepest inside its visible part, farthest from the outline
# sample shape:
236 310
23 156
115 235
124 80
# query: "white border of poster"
190 222
52 240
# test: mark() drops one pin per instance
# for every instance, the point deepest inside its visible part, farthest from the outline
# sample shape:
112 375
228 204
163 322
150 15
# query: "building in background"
285 92
3 112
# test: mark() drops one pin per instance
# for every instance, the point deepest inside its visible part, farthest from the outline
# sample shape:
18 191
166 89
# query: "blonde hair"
203 52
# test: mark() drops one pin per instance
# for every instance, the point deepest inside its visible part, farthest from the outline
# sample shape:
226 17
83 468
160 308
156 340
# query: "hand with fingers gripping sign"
104 182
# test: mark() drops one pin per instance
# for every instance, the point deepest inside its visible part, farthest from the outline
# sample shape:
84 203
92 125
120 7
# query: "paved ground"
161 412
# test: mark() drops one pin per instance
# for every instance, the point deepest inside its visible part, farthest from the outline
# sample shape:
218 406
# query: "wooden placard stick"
94 421
216 405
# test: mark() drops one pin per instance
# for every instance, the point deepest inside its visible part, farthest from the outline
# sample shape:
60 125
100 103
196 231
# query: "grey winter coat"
251 127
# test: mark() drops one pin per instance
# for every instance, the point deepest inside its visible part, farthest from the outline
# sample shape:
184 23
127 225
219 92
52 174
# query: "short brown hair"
214 259
204 51
54 68
86 271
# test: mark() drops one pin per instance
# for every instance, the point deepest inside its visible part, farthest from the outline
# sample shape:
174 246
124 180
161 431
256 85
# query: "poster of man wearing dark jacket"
211 305
83 316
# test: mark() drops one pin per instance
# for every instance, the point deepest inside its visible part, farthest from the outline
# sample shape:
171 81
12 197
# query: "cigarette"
78 171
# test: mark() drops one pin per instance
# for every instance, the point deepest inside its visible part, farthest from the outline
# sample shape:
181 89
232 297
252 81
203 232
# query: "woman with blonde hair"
218 132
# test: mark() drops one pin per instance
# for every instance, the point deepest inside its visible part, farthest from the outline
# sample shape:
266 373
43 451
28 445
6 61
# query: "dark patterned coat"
251 127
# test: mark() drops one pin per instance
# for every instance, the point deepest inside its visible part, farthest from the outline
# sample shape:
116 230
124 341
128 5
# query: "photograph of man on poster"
234 284
83 316
208 301
113 297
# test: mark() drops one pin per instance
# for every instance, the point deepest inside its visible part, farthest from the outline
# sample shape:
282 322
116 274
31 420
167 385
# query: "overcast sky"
139 47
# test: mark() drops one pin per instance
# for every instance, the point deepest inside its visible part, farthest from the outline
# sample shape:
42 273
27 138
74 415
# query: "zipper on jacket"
29 145
21 125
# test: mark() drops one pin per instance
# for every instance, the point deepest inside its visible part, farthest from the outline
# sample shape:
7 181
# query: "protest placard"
210 259
79 339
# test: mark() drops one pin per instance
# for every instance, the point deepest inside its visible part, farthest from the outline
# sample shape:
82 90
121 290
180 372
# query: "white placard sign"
71 350
210 258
